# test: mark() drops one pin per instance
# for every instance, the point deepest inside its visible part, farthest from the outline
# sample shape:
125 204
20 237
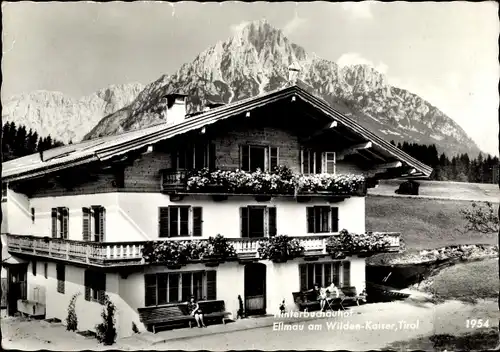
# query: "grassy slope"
423 223
468 280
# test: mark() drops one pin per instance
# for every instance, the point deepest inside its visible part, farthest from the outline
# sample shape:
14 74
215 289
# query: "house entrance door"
255 288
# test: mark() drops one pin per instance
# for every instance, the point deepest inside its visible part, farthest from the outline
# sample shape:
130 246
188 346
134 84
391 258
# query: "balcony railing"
176 181
130 253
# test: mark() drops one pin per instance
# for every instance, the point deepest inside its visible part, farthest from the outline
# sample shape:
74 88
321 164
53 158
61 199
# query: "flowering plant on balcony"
350 243
167 252
280 181
174 253
280 248
218 248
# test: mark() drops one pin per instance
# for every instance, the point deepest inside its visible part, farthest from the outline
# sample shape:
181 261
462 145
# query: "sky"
445 52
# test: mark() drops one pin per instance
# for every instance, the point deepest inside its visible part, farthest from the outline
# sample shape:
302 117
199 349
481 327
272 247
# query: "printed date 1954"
477 323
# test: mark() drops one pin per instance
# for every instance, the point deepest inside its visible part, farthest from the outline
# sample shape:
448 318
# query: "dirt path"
427 319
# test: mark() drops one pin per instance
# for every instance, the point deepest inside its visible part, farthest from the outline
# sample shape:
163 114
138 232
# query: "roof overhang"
109 147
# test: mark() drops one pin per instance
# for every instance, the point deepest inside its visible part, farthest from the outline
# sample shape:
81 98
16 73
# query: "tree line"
460 167
17 141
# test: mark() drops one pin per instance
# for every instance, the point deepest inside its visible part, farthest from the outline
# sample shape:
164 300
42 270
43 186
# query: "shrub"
280 247
106 331
72 319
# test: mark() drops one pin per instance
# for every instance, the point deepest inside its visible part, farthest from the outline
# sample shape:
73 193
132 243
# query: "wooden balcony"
174 181
130 253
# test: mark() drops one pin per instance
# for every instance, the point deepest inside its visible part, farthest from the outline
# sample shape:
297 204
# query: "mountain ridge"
256 60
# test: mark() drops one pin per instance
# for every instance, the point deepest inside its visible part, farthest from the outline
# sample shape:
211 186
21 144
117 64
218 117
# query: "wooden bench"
350 295
177 314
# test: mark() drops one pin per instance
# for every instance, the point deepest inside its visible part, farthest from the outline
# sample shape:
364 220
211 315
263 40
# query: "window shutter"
61 277
303 277
65 222
310 219
272 221
211 156
273 158
54 222
244 222
86 224
197 221
150 290
211 285
101 286
102 223
346 273
335 219
245 157
87 282
163 222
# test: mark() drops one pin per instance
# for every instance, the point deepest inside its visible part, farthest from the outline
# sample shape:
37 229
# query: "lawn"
479 340
466 281
423 223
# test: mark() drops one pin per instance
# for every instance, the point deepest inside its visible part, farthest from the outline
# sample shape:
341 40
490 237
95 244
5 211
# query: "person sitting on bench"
320 295
195 311
333 291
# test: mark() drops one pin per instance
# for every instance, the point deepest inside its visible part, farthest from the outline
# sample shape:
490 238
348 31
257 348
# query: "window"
4 192
329 162
313 162
258 221
255 157
163 288
322 219
60 220
324 274
197 156
95 286
94 223
33 267
32 215
61 277
46 270
178 221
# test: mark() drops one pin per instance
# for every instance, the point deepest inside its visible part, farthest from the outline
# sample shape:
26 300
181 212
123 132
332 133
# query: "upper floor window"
321 219
163 288
178 221
60 222
258 221
313 162
196 156
255 157
94 223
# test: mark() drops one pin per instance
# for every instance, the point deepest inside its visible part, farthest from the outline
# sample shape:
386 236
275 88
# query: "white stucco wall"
142 209
134 216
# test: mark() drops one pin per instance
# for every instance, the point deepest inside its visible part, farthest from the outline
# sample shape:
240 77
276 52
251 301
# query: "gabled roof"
105 148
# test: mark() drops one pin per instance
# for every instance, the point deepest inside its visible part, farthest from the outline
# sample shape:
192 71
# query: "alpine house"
243 203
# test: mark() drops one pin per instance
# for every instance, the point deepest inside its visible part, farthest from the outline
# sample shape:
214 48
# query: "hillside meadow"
424 223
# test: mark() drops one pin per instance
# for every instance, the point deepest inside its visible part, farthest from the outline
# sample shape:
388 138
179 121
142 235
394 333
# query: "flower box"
212 264
262 198
280 260
219 197
174 266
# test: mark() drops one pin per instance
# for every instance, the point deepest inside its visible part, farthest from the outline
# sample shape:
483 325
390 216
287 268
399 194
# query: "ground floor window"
95 286
61 277
163 288
324 274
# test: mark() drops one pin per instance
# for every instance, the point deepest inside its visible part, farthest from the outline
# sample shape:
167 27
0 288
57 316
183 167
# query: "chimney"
176 108
293 73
